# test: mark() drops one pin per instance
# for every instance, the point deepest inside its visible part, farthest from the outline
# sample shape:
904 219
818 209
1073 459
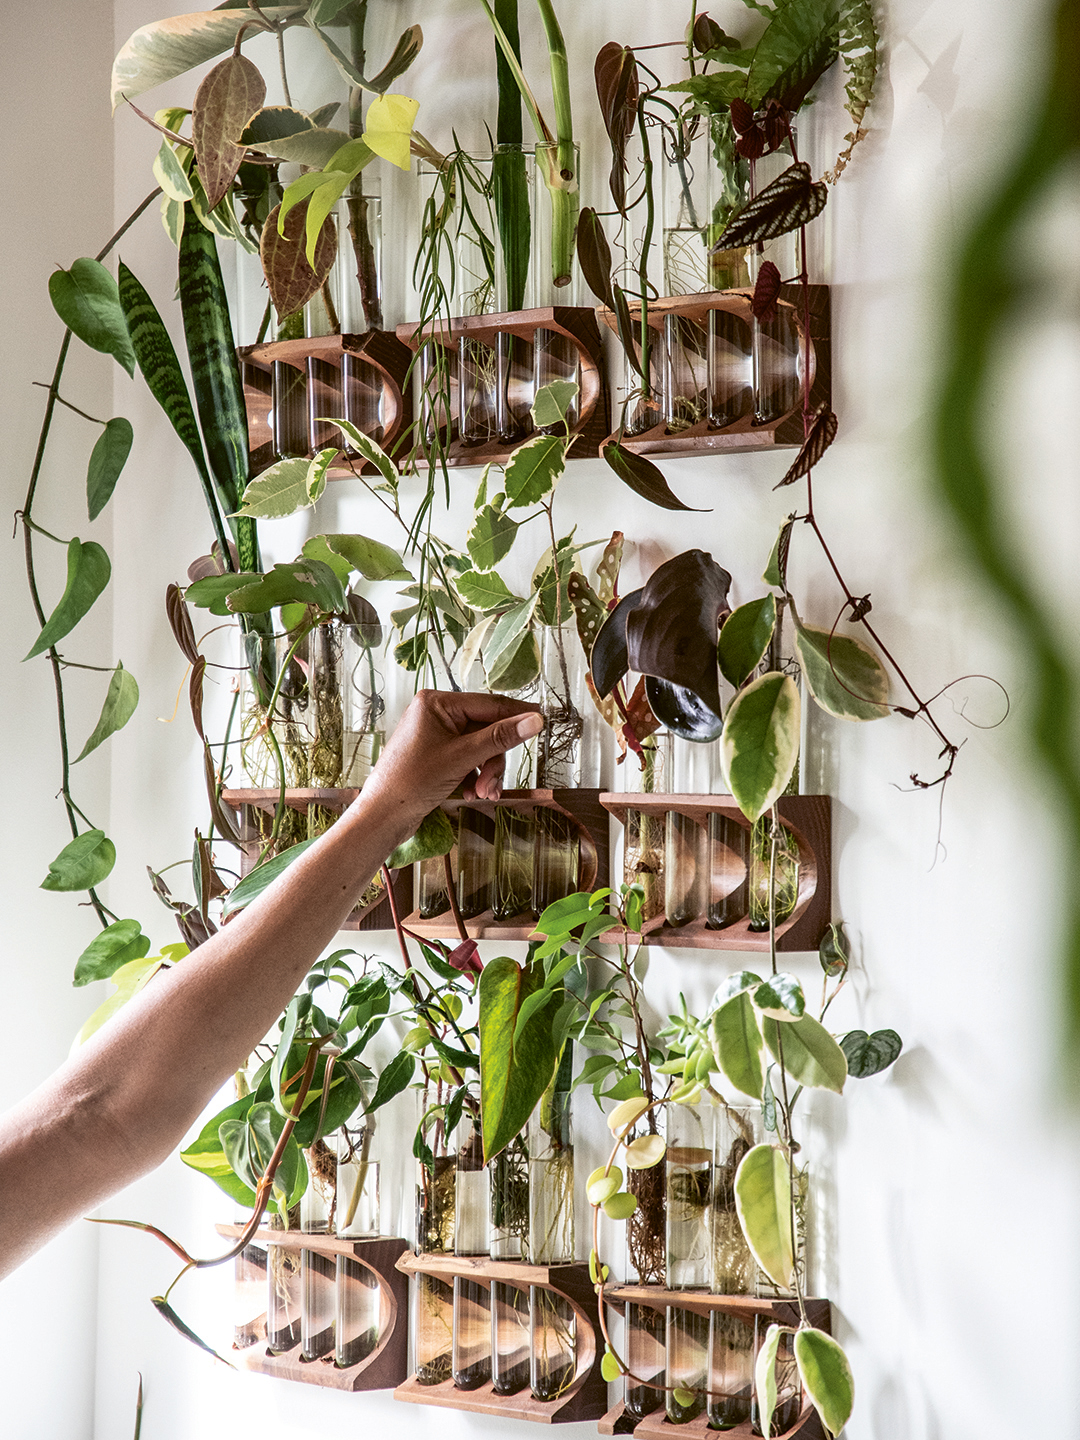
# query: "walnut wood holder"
375 916
381 349
744 434
576 324
657 1426
582 807
388 1364
586 1397
809 817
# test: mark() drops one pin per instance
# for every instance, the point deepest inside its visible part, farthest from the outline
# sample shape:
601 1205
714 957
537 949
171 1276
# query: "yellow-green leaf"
763 1204
765 1378
736 1040
845 677
826 1376
810 1053
388 128
129 980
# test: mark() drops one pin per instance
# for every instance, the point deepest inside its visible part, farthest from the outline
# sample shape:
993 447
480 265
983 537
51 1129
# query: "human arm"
124 1100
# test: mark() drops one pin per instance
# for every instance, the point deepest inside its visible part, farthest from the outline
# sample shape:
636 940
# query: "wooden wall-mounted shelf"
744 434
577 324
381 349
809 817
376 915
388 1364
581 807
584 1399
784 1312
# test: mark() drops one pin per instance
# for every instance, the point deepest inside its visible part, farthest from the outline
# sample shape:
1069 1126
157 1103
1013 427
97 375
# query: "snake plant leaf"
256 881
88 571
291 280
291 582
671 632
88 302
744 639
826 1377
533 469
83 862
794 198
227 97
484 590
682 711
765 1378
121 698
434 837
492 535
776 570
781 998
763 1204
118 944
737 1044
869 1054
844 676
107 459
643 477
609 659
373 559
760 742
808 1051
515 1068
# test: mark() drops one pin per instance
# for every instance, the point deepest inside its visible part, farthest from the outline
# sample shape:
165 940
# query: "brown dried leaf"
224 103
793 199
180 621
822 434
766 290
291 279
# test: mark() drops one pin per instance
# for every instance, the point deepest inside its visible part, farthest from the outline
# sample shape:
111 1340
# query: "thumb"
506 734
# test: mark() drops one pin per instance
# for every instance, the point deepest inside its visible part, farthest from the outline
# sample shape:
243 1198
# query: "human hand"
448 738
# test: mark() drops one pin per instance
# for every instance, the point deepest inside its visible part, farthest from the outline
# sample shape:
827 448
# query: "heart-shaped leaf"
291 280
83 863
116 945
120 701
87 300
793 199
107 459
868 1054
88 571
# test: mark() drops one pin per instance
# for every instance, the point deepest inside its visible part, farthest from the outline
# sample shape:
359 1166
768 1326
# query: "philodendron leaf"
434 837
780 998
763 1204
826 1377
83 863
776 569
373 559
87 300
765 1378
867 1054
394 1078
760 744
515 1069
88 571
227 97
551 403
845 677
254 883
107 459
116 945
808 1052
736 1039
744 639
120 702
532 470
643 477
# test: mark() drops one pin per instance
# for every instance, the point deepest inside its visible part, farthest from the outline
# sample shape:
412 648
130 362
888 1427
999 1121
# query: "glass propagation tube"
249 1296
788 1384
774 874
359 1298
646 1357
476 861
318 1272
555 357
472 1298
509 1238
358 268
552 1319
431 886
282 1294
515 841
688 1169
556 858
686 869
643 830
729 368
686 372
324 403
733 1272
477 392
433 1299
729 860
289 412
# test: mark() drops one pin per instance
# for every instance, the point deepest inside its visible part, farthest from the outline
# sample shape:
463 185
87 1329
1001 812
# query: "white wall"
946 1200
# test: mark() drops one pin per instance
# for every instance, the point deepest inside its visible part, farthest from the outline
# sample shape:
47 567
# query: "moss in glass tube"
774 854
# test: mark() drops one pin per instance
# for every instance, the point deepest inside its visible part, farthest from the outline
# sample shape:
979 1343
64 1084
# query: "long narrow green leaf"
515 1069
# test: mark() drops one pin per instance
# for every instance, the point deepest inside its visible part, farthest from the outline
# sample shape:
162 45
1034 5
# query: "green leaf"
776 569
506 632
86 299
166 1311
809 1053
88 571
643 477
365 446
610 1368
533 469
83 863
867 1054
207 1155
373 559
759 746
434 837
293 582
213 592
321 12
128 979
826 1377
171 175
120 702
780 998
253 884
107 459
116 945
765 1378
833 951
745 638
736 1040
393 1079
551 403
734 984
844 676
763 1203
286 487
484 590
491 537
515 1070
280 1068
797 47
317 549
517 667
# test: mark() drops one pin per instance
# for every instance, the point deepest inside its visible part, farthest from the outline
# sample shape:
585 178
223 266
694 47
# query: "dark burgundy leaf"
195 694
766 290
466 957
671 632
822 434
363 620
776 126
742 116
707 35
627 335
617 90
594 256
180 621
751 146
608 659
291 280
226 827
793 199
643 477
683 711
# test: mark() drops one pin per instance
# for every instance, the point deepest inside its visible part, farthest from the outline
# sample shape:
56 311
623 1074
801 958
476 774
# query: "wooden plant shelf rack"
576 323
743 435
584 1399
374 916
381 349
388 1364
784 1312
809 817
590 819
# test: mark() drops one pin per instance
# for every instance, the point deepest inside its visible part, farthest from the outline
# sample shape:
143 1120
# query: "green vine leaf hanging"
88 571
88 302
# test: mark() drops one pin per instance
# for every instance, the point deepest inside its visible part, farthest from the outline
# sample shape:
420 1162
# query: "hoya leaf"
763 1204
844 676
808 1052
434 837
737 1044
116 945
83 863
826 1377
292 281
776 569
869 1054
87 300
121 699
760 743
88 571
765 1378
744 639
780 998
107 459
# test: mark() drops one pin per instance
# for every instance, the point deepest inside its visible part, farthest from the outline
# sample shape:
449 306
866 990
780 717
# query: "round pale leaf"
809 1052
610 1368
626 1113
645 1152
620 1206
